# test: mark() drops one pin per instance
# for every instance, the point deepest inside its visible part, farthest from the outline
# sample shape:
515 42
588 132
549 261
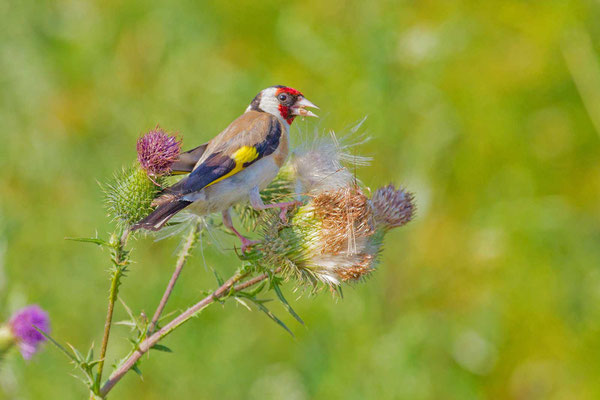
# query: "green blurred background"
489 111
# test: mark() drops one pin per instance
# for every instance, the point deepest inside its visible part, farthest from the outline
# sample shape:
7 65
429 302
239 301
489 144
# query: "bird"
236 164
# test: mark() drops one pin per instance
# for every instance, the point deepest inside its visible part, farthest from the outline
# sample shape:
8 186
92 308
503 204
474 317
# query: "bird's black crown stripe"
255 105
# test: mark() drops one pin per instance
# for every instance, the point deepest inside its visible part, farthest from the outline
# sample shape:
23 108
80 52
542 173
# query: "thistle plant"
333 238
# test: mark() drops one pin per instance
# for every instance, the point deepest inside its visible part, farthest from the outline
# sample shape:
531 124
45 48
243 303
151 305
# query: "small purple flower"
157 151
22 326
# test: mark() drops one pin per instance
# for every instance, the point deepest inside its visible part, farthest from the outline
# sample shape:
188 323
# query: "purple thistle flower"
22 326
157 151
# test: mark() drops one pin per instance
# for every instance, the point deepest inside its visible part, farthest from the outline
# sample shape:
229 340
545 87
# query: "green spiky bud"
129 196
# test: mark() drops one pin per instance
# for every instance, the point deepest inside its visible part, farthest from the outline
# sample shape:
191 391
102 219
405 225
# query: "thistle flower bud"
392 207
157 151
21 330
129 196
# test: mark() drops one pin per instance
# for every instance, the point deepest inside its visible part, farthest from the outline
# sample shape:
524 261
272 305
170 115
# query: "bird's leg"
257 204
229 224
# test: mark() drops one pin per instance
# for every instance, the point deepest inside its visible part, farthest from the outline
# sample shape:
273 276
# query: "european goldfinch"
235 165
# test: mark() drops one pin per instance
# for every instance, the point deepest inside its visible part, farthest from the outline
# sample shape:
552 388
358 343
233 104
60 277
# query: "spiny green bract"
129 196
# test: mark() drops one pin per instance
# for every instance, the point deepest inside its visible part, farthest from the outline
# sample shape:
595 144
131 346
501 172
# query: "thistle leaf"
133 321
137 370
277 289
58 345
220 280
126 322
242 302
270 314
90 355
161 347
256 290
92 364
77 354
85 379
98 241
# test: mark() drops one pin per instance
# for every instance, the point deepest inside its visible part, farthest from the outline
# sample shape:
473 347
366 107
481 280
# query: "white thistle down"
326 162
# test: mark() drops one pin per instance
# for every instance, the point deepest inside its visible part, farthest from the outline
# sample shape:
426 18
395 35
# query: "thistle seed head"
345 218
331 239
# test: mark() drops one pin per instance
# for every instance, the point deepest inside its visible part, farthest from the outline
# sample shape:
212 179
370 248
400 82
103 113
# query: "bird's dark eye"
283 97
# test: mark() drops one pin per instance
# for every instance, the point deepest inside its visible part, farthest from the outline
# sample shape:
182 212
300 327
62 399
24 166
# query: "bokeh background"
489 111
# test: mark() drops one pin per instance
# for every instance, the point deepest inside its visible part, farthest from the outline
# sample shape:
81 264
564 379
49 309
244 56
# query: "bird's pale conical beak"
299 108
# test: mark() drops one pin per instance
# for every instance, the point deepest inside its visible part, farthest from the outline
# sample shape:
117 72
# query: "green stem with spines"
120 260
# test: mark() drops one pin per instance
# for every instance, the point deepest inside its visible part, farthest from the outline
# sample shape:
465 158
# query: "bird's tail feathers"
159 217
164 199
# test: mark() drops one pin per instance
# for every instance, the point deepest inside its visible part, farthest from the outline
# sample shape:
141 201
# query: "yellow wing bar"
243 155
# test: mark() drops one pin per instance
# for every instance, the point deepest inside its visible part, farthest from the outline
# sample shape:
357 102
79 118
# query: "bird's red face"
284 102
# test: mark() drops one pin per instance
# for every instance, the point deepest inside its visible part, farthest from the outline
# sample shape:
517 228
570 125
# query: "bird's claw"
247 243
284 209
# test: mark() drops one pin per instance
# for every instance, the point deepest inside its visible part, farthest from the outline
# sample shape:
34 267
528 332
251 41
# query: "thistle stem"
228 287
120 261
184 254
